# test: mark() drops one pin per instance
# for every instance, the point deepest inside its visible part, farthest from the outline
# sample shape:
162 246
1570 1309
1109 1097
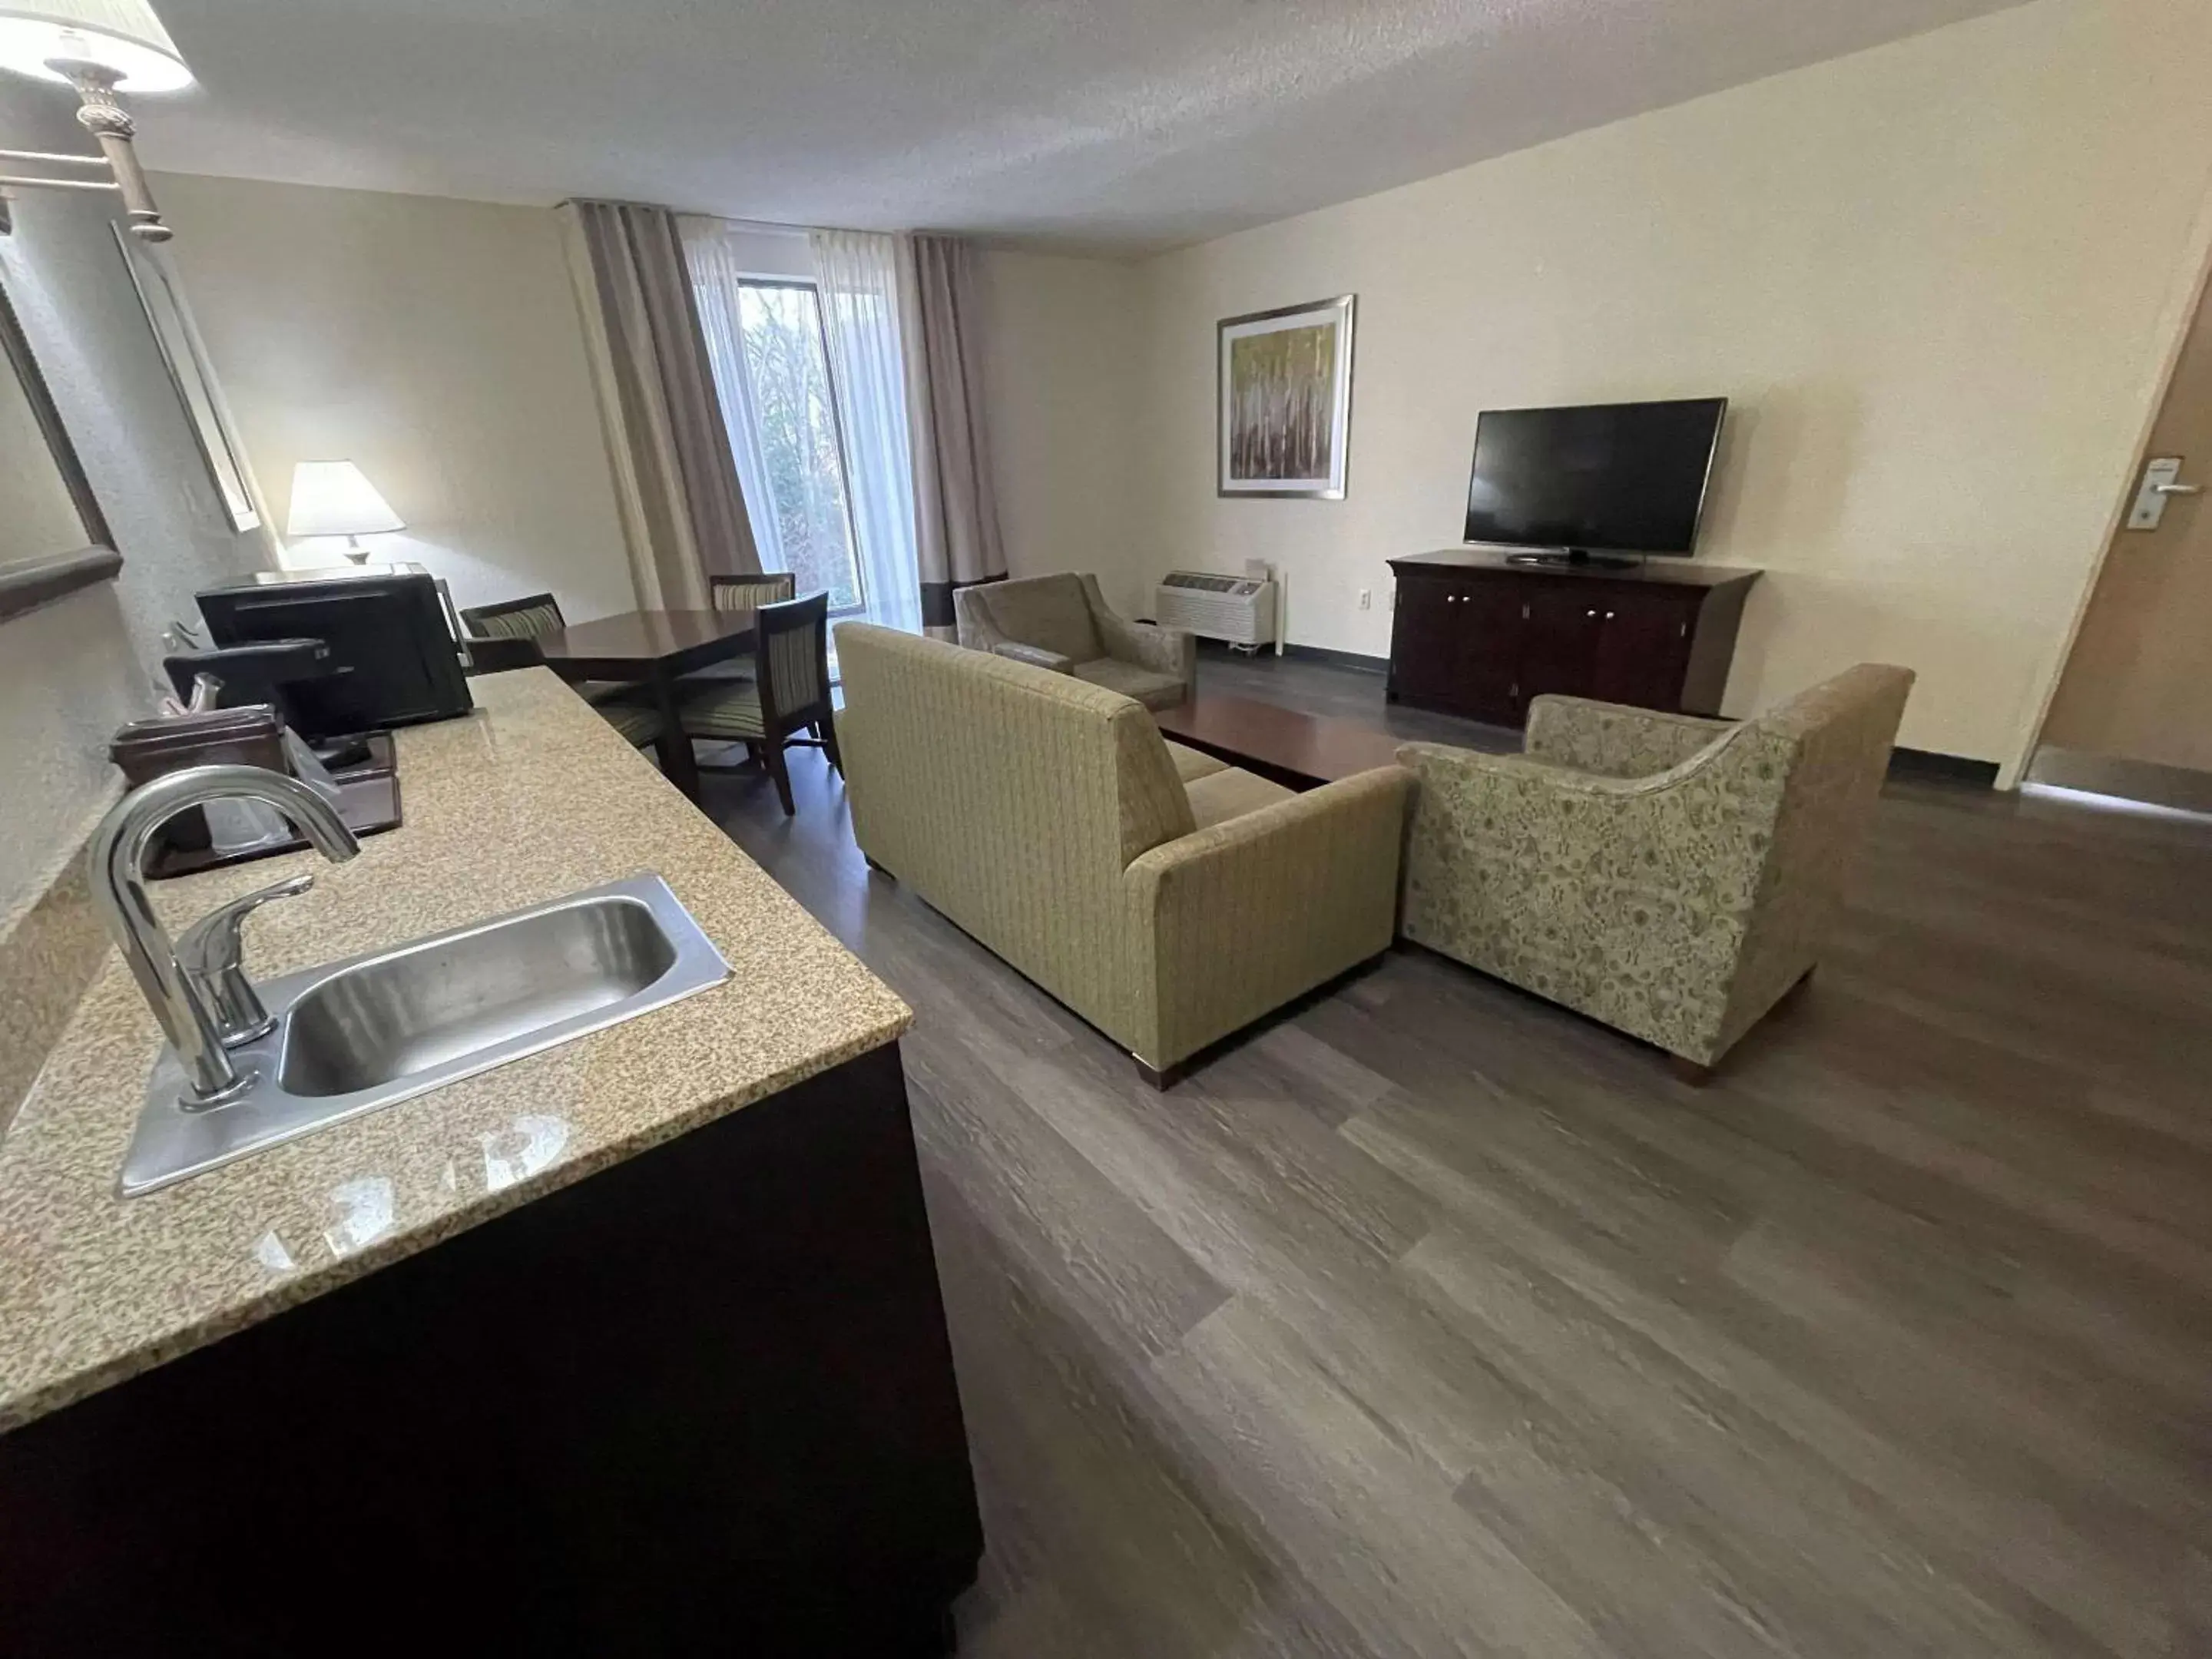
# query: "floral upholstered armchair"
1061 624
1670 876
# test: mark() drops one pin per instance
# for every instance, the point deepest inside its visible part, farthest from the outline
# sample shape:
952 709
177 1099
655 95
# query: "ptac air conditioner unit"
1238 609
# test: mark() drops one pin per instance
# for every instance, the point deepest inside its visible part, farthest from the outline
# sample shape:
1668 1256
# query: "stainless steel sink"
376 1029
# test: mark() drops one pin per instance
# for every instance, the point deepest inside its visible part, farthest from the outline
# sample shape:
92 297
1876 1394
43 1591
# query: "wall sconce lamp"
100 47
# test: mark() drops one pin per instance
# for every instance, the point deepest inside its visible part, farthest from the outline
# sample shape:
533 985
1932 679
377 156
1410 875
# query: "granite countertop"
531 797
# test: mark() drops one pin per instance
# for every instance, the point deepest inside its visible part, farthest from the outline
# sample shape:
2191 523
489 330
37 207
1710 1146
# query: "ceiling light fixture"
100 47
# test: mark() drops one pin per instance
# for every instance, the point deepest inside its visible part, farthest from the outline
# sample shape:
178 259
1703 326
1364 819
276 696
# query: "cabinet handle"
1592 615
1686 630
1524 613
1608 616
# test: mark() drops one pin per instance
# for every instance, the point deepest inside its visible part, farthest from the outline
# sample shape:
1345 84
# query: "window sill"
33 582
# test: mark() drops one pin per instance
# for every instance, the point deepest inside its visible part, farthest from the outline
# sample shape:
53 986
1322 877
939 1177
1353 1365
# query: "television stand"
1574 558
1475 635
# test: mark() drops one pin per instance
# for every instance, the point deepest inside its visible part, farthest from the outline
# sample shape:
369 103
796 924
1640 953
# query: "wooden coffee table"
1299 751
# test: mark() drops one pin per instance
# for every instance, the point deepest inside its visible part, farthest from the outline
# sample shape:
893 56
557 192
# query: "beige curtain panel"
956 510
676 484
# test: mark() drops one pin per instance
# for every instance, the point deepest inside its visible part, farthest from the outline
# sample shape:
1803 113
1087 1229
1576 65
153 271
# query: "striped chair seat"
731 712
639 724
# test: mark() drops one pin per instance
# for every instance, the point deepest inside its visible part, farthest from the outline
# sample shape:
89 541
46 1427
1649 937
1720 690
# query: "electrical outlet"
1366 599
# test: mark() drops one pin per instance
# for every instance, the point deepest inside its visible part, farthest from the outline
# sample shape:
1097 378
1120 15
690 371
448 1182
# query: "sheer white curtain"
716 268
856 273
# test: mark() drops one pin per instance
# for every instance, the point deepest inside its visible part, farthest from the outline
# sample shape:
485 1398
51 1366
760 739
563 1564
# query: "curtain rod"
765 227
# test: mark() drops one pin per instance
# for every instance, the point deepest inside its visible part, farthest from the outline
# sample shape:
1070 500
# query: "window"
801 460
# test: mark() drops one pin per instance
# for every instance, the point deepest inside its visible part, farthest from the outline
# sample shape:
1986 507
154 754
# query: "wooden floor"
1434 1320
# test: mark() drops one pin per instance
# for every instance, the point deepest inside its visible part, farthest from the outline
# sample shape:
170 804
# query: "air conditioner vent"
1238 609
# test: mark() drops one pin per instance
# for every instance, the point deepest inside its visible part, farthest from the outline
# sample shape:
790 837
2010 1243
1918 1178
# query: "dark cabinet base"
1477 634
702 1401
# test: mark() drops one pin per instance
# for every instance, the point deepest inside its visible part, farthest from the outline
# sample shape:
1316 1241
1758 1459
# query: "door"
1425 641
1488 621
2133 715
1642 648
1559 641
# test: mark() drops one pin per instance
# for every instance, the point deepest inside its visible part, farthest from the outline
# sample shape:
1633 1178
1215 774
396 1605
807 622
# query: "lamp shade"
124 34
331 498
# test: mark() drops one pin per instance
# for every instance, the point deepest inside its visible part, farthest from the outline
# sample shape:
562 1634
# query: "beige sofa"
1671 877
1061 622
1164 897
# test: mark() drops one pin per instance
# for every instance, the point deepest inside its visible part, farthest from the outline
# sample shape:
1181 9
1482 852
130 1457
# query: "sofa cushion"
1148 686
1231 793
1189 763
1045 610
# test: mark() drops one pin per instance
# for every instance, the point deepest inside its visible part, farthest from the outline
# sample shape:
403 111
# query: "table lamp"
331 498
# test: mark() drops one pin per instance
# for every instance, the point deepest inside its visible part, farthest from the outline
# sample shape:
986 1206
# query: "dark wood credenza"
1476 635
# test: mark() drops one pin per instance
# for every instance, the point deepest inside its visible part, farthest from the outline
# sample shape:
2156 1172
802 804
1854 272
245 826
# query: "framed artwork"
1284 389
53 538
160 292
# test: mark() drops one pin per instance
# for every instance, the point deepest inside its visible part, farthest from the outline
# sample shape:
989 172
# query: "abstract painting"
1284 380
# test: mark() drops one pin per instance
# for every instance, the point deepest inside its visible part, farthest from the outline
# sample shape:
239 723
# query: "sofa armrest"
1612 739
1164 650
1238 919
1034 655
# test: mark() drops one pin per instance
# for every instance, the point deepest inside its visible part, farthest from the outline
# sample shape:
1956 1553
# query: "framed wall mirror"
52 536
162 295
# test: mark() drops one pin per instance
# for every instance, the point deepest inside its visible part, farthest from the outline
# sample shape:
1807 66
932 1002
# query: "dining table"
654 650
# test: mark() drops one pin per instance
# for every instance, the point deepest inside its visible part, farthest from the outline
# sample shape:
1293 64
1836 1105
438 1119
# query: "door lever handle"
2178 489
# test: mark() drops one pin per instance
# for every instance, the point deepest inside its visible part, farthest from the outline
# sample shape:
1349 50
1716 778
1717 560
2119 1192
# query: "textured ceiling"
1102 126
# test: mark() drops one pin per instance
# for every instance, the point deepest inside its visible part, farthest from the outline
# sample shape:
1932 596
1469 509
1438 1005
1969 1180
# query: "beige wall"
1938 279
435 341
1061 368
72 671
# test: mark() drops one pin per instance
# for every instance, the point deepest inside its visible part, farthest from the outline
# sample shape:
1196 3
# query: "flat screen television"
1594 479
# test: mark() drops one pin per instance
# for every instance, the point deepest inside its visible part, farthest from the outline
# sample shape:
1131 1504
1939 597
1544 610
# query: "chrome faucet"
198 991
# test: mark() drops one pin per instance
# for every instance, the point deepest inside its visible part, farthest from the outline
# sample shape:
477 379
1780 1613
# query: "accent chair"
1670 876
1061 624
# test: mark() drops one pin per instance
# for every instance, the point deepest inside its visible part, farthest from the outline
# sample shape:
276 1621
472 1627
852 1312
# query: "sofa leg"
1690 1071
1160 1077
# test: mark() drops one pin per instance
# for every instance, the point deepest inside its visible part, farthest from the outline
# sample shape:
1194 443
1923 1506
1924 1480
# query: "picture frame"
1283 401
161 296
54 538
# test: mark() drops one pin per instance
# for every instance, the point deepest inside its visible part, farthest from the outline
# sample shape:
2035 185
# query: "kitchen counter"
531 797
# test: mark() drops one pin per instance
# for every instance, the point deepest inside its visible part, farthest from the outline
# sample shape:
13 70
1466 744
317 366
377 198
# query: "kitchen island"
633 1346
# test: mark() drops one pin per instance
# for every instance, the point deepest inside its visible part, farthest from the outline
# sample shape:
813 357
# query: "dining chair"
750 592
524 619
496 654
514 619
742 593
788 693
